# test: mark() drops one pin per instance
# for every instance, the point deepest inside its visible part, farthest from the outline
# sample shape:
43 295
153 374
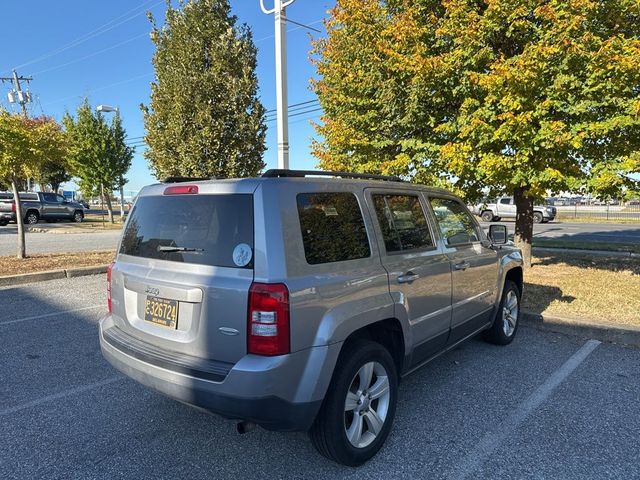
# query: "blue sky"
101 49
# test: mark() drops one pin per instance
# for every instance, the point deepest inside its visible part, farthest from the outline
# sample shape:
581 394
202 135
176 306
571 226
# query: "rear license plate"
161 311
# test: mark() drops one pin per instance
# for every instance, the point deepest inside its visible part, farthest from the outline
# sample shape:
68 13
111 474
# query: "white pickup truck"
505 207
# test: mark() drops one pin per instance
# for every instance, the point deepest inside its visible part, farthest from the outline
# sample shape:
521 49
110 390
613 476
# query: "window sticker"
242 255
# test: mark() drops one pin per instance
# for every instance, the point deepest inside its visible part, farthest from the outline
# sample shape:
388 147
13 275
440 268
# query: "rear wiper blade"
169 249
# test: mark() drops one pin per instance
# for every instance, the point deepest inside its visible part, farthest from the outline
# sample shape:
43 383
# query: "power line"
94 33
304 119
296 110
298 113
290 30
303 25
122 82
293 106
62 65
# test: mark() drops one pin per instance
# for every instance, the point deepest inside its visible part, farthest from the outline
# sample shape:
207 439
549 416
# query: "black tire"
78 216
328 433
499 333
32 217
4 224
537 217
487 216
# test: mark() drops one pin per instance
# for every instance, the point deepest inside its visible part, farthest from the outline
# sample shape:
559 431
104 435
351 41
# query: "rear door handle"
461 266
408 277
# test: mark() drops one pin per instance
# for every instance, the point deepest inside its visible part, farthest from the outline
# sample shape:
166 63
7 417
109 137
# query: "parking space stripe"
56 396
46 315
492 440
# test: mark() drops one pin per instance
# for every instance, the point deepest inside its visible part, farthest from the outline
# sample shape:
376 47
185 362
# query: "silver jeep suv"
297 301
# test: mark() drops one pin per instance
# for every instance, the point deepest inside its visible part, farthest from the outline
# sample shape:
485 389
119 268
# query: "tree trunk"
22 249
524 223
107 198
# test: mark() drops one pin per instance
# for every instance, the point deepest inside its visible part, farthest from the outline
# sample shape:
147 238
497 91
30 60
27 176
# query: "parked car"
5 216
84 204
297 302
38 206
504 207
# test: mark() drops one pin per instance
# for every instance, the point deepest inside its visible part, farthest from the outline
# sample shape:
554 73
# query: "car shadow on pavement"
538 298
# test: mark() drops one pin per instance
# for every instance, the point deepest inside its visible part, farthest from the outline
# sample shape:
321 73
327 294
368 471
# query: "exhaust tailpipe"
245 427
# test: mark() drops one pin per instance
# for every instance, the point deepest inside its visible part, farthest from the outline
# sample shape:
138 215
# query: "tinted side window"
456 225
402 221
49 197
505 201
332 227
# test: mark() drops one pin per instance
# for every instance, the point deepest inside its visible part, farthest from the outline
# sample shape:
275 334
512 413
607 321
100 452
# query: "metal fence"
603 212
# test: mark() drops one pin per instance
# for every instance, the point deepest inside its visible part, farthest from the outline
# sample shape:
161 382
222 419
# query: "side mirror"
498 234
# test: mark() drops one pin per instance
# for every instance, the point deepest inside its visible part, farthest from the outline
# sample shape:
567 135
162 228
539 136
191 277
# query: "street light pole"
108 108
279 13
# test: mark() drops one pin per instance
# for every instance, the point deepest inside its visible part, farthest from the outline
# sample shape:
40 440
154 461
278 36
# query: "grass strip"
603 289
53 261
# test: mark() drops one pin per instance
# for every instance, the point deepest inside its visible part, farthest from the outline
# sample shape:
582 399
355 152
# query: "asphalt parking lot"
547 406
58 242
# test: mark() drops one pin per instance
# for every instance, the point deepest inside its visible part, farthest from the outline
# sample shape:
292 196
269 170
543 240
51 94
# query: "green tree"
515 96
54 173
25 146
204 119
99 155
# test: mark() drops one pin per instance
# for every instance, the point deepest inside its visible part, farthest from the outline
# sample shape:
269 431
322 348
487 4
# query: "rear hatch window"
212 230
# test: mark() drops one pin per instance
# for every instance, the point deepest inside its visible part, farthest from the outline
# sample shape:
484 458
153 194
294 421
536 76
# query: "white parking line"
52 314
476 457
56 396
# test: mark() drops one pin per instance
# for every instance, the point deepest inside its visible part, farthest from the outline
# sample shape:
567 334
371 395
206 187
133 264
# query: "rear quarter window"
211 227
332 227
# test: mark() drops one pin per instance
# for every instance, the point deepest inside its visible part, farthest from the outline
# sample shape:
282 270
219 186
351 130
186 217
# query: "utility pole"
279 13
17 95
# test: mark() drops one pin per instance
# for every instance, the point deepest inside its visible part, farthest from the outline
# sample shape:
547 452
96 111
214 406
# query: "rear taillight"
109 268
268 319
181 190
13 206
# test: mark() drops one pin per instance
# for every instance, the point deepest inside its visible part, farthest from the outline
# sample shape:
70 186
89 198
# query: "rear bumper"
278 393
7 217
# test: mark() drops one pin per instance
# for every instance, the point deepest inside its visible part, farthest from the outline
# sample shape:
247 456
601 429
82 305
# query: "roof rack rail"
274 173
183 179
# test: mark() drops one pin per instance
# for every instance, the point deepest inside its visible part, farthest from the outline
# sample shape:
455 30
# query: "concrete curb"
577 251
627 335
10 280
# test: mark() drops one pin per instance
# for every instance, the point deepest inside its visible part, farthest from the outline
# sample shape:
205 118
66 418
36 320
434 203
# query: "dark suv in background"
38 206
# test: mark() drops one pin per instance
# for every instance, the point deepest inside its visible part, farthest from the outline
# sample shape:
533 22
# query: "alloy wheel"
367 404
510 313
